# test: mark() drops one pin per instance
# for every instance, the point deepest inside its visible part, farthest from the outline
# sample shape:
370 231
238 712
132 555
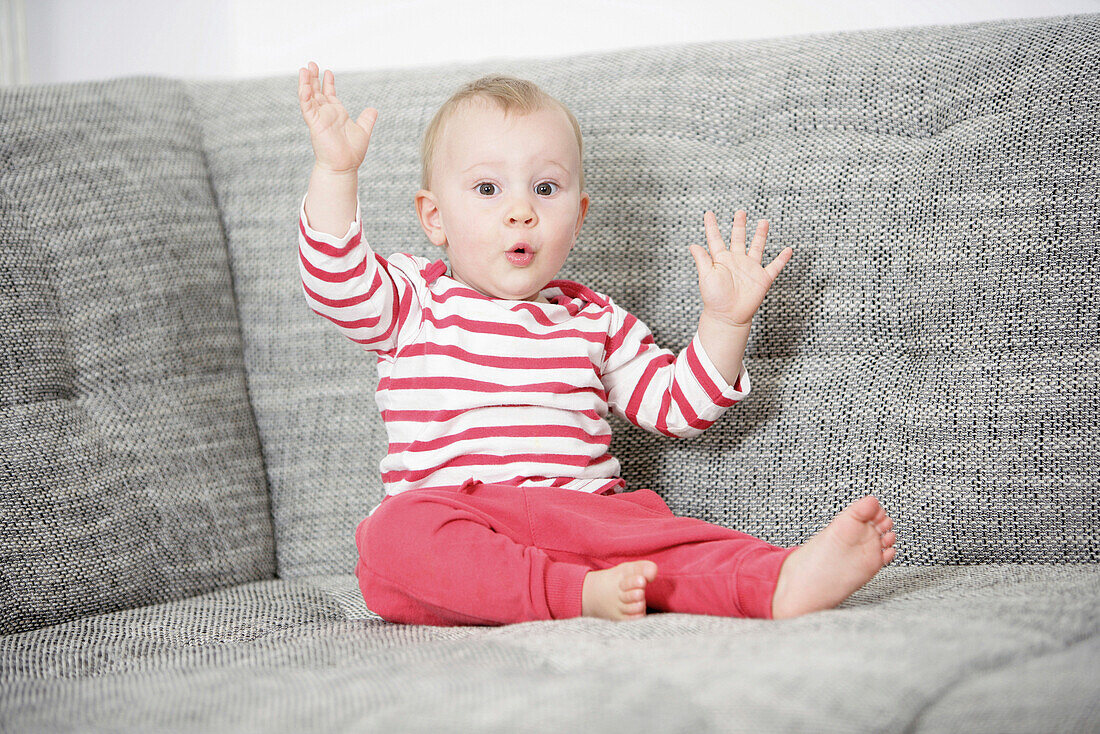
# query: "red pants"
497 554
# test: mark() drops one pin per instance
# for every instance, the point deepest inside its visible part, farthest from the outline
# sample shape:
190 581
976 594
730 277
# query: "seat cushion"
130 469
983 648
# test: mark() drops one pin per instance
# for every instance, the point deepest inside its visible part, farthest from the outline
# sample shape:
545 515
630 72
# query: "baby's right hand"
339 144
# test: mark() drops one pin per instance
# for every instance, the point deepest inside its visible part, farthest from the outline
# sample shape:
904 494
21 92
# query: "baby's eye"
486 189
546 188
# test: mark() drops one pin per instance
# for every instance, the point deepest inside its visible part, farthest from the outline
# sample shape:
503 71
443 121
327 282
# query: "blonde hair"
512 95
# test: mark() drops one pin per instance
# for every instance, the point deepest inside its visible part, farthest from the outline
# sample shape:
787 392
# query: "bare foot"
830 566
618 592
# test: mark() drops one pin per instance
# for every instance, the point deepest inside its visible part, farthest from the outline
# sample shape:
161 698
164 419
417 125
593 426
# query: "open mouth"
521 254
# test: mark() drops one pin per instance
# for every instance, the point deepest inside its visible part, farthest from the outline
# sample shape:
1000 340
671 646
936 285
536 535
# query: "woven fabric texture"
130 470
933 340
920 649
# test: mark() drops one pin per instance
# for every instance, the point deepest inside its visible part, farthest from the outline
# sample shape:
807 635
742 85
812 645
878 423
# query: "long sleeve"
675 395
368 298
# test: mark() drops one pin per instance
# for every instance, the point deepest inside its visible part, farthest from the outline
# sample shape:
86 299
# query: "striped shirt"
499 391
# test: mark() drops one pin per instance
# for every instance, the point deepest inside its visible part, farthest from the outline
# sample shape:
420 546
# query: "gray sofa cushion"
996 648
130 470
932 341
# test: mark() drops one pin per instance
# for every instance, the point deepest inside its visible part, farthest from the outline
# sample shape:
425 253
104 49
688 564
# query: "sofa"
186 450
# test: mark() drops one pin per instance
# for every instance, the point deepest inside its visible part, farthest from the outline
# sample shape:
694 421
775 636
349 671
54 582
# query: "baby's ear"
585 200
430 218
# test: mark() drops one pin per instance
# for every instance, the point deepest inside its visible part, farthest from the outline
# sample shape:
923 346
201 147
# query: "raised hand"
733 282
339 145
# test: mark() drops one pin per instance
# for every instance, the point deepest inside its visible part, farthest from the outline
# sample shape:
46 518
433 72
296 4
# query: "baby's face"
505 200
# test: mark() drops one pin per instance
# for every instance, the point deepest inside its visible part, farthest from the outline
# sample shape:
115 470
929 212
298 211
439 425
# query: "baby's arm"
339 146
674 395
342 278
682 395
733 284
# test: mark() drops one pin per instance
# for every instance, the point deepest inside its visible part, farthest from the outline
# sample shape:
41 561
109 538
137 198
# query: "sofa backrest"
130 468
933 341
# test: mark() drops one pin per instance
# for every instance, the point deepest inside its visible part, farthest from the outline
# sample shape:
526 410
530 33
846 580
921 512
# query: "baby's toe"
865 509
637 575
888 539
634 602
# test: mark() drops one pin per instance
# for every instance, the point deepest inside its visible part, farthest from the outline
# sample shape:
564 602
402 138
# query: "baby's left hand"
733 282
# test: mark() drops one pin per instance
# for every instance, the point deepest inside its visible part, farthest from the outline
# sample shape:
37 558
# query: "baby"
503 503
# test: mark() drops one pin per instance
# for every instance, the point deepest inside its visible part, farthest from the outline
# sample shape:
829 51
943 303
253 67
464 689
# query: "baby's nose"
520 212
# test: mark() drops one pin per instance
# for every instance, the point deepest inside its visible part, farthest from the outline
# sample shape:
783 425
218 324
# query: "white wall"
71 40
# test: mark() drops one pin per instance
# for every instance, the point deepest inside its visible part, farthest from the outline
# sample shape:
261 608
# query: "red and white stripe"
506 392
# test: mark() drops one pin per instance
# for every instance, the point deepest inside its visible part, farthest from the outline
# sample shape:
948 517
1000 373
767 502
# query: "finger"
703 261
329 88
776 265
315 81
714 235
756 250
305 93
304 89
366 120
737 238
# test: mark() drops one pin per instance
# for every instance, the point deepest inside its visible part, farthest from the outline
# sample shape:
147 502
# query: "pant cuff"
564 584
757 577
